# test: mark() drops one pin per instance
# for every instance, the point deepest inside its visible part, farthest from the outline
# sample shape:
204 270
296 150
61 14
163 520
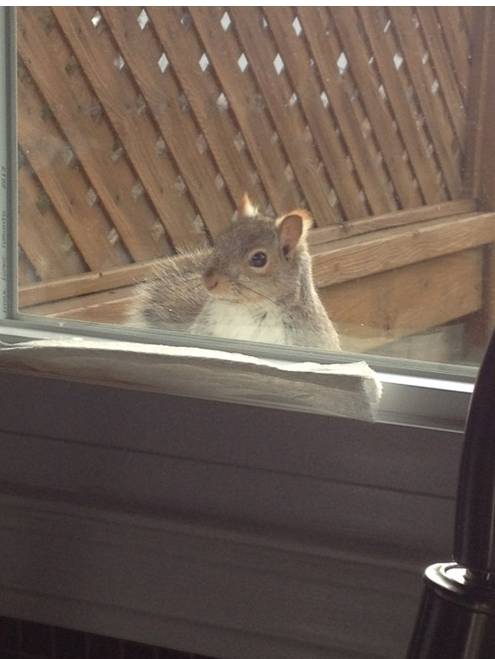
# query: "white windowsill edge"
307 386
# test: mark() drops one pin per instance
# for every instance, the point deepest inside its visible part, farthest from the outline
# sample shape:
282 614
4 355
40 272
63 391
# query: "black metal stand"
456 619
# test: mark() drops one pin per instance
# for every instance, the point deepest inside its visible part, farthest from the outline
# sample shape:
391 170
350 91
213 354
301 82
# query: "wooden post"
480 164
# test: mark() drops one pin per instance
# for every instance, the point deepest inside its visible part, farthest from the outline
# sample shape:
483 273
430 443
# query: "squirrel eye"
258 259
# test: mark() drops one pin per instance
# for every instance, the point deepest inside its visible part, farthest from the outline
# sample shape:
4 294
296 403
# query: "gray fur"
177 299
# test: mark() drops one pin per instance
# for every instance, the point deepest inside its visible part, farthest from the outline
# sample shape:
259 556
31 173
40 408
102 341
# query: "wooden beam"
333 262
362 256
390 305
85 284
368 312
395 219
104 307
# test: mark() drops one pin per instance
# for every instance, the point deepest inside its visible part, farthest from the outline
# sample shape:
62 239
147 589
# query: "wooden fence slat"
289 122
440 131
326 53
133 126
468 15
457 44
308 89
243 98
444 71
46 150
42 236
203 91
422 162
392 248
305 81
389 220
48 61
479 161
346 21
163 96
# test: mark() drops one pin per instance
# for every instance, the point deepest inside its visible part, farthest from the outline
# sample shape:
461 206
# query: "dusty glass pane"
361 136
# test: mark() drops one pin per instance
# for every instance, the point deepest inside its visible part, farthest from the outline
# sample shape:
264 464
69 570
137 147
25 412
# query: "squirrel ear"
292 229
246 207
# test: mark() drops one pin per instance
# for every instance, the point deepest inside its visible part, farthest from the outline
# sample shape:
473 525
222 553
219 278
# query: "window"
311 513
148 125
140 138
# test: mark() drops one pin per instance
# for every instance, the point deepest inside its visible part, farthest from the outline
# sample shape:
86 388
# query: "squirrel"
254 284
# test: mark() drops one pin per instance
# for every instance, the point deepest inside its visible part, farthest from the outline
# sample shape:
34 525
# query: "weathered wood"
443 343
105 307
457 43
444 71
307 87
63 181
26 271
72 102
116 92
261 53
171 112
480 166
389 220
41 234
84 284
468 14
326 54
202 89
387 306
167 115
389 141
368 313
93 282
256 128
387 249
395 88
441 132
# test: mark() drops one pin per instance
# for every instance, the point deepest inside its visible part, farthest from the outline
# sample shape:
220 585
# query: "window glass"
305 176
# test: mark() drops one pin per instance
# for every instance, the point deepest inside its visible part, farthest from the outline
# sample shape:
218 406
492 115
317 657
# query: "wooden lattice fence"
139 129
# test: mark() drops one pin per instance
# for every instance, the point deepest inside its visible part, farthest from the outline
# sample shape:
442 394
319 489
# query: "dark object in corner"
456 619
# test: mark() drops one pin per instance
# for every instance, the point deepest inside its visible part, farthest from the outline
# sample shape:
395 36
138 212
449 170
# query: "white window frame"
423 409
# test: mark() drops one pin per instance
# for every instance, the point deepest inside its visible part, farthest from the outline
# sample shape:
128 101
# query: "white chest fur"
236 321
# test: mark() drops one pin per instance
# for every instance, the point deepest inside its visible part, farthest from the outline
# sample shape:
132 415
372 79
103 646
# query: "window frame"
414 392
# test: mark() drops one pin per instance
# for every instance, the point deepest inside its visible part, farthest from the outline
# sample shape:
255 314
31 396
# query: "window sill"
211 506
164 520
278 378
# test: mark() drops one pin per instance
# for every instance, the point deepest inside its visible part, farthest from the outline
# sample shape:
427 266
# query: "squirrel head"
259 258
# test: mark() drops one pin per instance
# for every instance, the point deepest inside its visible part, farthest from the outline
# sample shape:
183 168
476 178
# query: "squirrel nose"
210 279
